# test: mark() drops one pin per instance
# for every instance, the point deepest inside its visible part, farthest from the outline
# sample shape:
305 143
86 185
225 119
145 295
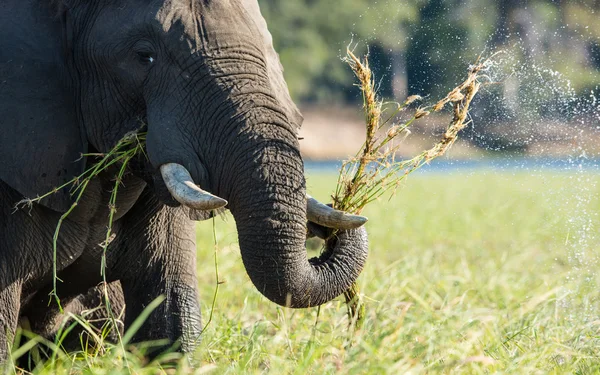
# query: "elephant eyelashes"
145 58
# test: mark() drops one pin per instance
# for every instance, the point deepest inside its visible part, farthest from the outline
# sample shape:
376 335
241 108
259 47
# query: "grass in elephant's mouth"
375 170
129 147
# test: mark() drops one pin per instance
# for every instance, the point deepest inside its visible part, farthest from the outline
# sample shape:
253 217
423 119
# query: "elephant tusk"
326 216
185 191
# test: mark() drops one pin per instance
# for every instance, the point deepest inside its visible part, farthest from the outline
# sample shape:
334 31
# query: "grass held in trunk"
375 169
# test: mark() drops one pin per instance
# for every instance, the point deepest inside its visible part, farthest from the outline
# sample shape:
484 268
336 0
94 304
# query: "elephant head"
204 77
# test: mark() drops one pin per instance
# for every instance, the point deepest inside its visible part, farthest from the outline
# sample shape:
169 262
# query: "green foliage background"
414 43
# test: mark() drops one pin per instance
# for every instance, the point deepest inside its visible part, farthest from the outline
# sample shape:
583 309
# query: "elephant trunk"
269 205
251 159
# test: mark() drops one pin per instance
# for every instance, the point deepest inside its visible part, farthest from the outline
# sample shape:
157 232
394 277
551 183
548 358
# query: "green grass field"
471 273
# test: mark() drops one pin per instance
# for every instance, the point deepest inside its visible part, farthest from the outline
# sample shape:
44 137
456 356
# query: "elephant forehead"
206 23
180 12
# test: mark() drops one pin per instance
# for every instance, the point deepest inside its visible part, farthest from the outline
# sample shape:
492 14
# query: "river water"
517 164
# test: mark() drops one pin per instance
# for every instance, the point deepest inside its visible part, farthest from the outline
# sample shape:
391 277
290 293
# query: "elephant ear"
41 143
274 65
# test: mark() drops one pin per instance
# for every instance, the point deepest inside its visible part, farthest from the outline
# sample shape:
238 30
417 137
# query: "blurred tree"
423 46
436 53
312 35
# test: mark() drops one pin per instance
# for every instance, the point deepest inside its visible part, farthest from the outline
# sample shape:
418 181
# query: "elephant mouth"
184 190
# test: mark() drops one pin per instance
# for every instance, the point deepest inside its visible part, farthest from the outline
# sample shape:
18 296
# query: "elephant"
56 325
204 82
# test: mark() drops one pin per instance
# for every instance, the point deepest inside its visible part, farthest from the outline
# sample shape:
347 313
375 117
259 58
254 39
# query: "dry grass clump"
375 170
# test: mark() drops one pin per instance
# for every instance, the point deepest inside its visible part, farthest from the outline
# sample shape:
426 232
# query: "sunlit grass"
469 273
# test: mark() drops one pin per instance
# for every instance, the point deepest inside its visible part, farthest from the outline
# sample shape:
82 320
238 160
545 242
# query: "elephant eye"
145 58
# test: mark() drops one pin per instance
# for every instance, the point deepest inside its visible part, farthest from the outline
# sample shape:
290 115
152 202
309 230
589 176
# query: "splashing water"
541 115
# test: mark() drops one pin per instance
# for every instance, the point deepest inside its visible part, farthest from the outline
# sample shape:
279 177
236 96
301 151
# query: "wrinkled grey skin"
75 77
90 306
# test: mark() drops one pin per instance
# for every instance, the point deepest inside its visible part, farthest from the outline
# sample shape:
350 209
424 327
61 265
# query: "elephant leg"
91 307
46 318
9 316
54 325
177 318
156 256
